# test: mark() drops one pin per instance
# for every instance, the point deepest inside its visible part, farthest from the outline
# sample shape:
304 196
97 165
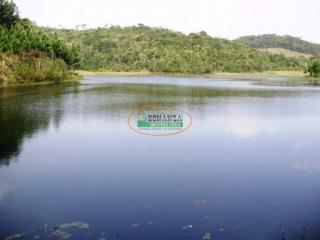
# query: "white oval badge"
159 121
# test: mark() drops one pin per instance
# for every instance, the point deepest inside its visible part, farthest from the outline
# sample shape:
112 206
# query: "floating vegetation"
76 224
135 225
80 230
42 228
207 236
187 227
60 234
59 231
17 235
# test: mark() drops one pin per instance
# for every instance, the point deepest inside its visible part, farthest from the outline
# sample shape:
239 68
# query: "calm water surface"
249 167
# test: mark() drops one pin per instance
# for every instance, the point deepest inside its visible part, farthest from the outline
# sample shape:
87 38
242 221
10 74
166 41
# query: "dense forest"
142 48
28 54
286 42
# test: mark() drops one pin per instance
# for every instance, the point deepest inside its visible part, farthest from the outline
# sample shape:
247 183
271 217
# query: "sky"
219 18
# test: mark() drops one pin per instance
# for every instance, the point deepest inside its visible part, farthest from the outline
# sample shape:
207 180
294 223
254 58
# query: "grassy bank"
216 74
284 74
33 69
75 79
282 77
294 77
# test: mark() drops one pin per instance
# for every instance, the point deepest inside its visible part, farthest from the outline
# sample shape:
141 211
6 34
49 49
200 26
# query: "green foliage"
9 13
141 48
314 68
28 53
275 41
57 71
40 69
6 74
25 37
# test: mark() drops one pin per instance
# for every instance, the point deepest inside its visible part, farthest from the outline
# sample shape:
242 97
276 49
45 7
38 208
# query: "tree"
9 13
314 68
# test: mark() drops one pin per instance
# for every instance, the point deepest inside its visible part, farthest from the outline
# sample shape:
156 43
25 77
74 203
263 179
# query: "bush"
6 74
314 68
57 71
40 69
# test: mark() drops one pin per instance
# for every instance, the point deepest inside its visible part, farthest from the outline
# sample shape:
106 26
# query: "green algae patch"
76 224
17 235
60 234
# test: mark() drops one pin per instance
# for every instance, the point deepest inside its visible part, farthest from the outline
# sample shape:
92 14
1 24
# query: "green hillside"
286 42
27 54
142 48
287 52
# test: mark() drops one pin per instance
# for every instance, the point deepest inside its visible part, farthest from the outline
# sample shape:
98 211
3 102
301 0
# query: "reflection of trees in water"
177 95
116 100
23 112
16 124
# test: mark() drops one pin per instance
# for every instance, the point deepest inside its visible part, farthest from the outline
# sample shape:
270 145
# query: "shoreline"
293 77
282 77
284 74
42 83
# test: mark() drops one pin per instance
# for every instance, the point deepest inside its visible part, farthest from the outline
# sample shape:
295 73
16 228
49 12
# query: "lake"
247 168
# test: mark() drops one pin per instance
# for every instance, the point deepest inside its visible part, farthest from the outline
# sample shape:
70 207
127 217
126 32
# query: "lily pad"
206 236
190 226
17 235
60 234
77 224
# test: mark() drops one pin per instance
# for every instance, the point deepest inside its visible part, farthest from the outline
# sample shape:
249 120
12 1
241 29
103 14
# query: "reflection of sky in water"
194 82
250 160
3 190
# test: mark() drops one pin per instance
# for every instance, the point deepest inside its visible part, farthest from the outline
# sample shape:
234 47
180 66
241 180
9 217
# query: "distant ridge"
286 42
143 48
287 52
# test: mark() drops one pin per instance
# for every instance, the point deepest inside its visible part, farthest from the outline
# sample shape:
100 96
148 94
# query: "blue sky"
224 18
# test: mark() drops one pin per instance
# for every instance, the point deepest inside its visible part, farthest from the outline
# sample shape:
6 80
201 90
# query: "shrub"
57 71
314 68
40 69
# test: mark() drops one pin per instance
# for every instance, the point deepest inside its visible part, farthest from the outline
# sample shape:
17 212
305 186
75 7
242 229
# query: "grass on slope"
286 52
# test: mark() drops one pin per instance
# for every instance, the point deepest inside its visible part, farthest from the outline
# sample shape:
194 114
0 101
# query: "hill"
286 52
285 42
28 54
142 48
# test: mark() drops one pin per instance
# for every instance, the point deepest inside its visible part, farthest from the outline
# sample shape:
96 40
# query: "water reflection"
249 161
25 111
307 165
3 190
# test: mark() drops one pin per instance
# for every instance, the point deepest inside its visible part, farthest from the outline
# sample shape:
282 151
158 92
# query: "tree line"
276 41
142 48
30 54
